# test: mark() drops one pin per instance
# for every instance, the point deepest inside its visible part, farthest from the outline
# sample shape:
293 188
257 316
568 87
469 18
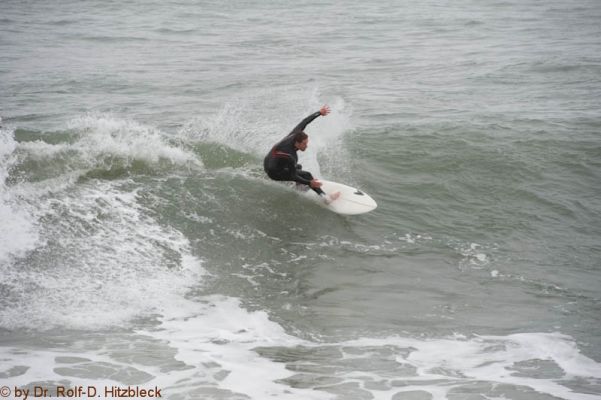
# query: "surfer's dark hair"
300 137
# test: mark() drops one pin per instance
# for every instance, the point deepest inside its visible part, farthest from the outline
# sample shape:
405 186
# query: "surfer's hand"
324 110
315 184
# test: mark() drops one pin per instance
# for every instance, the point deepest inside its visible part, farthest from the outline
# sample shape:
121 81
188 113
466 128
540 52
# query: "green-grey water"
142 245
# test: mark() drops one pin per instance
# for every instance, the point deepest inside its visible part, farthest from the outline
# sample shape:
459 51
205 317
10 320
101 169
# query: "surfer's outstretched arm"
324 110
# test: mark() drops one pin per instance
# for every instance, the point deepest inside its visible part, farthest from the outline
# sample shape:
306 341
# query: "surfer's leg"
278 175
307 175
319 191
304 174
283 175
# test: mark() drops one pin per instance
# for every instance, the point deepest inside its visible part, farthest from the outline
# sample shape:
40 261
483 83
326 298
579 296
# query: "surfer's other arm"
324 110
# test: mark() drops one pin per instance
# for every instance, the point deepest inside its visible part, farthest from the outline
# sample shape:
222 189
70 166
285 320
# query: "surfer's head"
301 141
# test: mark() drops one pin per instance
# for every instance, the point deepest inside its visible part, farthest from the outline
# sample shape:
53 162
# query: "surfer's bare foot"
332 197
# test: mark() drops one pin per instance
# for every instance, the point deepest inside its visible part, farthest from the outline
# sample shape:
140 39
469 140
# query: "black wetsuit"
281 163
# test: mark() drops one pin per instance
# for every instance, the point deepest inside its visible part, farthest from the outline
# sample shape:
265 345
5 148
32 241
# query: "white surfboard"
352 201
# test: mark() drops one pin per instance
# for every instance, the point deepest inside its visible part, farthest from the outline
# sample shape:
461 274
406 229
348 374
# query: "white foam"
411 238
18 230
101 141
98 141
106 262
223 335
474 255
102 134
254 122
326 136
90 246
214 337
217 341
456 362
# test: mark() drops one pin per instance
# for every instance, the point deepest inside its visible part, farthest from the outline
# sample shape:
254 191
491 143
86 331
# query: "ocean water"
141 244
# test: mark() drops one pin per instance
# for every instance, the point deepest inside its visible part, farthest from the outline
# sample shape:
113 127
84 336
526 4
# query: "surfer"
281 163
